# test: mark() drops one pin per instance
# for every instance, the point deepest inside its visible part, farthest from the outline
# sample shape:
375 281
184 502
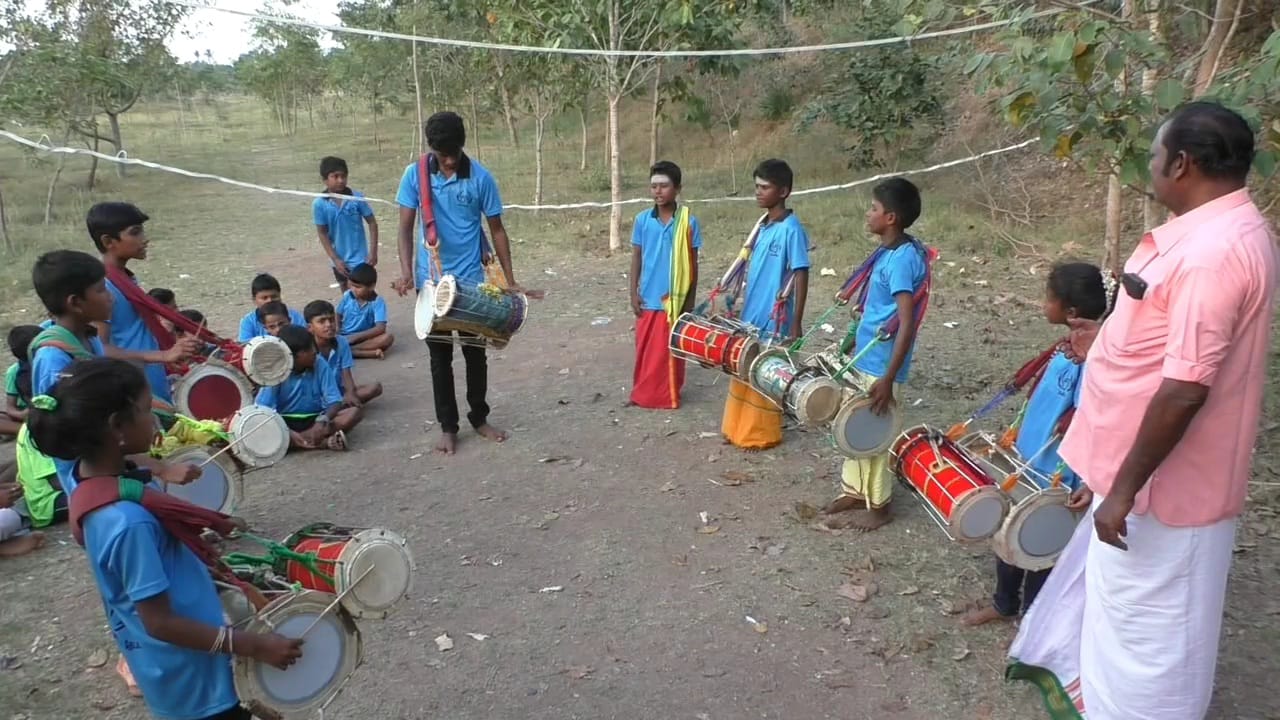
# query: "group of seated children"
321 399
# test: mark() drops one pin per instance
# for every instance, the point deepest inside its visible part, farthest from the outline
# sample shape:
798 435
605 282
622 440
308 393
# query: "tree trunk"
417 89
4 226
1226 42
582 117
1115 197
1150 212
53 182
539 127
506 100
657 101
116 141
1214 44
615 134
475 122
93 162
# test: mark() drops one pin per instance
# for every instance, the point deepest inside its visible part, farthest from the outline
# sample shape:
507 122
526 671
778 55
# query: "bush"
777 104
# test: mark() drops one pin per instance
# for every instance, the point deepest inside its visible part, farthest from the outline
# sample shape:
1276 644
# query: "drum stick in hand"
337 599
237 439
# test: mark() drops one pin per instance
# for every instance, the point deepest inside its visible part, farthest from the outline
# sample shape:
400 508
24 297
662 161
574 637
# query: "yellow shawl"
681 265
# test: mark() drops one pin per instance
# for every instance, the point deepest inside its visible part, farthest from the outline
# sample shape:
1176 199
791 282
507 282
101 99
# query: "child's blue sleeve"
330 393
407 195
695 229
906 272
269 397
134 558
1075 398
490 198
798 249
318 215
366 210
379 310
346 360
248 331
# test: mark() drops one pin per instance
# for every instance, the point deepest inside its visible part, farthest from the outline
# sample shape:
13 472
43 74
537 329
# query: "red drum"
212 390
339 560
715 342
964 500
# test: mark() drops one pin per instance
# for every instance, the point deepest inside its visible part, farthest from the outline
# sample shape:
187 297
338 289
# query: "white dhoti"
1129 635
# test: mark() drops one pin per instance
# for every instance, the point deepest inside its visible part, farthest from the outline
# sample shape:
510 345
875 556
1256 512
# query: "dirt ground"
604 502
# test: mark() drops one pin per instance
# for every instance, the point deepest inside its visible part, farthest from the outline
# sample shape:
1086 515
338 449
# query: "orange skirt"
750 421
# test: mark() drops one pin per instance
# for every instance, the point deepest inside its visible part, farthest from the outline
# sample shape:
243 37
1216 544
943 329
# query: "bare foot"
844 503
379 354
122 669
448 443
21 545
301 441
868 520
983 615
491 432
337 441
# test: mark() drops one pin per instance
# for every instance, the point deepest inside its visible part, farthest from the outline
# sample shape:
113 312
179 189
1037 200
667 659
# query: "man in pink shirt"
1162 438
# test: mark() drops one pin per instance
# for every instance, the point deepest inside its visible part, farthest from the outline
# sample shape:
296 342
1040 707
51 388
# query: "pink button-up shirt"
1206 319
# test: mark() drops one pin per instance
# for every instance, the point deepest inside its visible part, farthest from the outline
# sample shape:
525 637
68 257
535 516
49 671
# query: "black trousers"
1016 588
235 713
440 347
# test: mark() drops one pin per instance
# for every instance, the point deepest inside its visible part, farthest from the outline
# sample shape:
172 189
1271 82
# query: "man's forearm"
502 248
802 295
404 245
1168 415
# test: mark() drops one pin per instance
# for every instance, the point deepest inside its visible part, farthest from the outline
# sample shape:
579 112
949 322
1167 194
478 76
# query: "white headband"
660 178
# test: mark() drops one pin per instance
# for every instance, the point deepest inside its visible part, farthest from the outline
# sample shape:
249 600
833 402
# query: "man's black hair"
20 338
1079 285
363 274
1218 140
264 282
668 168
317 308
445 133
60 274
275 307
298 339
164 296
330 164
111 219
777 172
900 197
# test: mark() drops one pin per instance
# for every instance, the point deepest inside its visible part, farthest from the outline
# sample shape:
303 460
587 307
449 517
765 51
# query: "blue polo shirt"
344 221
357 315
129 332
47 364
306 393
900 270
133 558
655 240
460 204
339 359
1057 392
781 247
251 327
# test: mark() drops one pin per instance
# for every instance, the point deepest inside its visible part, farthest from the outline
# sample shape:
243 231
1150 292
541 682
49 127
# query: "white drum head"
267 360
259 436
331 653
424 310
389 580
219 486
446 292
1036 531
858 432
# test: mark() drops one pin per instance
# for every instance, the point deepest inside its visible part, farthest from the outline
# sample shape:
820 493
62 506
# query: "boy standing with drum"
664 282
1075 291
459 193
882 362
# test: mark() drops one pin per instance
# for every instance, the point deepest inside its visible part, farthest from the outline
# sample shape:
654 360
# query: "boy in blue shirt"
896 276
131 332
362 314
309 399
461 193
264 289
275 315
1074 291
664 251
780 256
336 352
340 223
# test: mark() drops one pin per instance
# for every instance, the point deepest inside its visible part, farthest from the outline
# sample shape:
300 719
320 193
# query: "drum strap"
682 259
183 520
152 312
427 167
733 280
56 336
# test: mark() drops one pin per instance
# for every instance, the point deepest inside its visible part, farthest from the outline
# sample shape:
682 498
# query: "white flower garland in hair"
1111 285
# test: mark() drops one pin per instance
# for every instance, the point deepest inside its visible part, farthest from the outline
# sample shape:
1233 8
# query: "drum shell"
772 375
951 484
466 307
812 399
345 554
259 436
196 492
710 342
266 361
212 390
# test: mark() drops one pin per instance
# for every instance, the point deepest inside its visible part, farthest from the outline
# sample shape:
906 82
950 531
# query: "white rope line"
727 52
38 145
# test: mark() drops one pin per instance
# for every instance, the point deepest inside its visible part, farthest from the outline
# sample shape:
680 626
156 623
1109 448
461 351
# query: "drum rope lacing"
276 554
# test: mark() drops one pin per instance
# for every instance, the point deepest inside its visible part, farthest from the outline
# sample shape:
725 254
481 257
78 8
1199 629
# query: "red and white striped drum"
957 493
715 342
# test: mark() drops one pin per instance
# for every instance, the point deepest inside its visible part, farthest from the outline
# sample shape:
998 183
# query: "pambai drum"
220 485
259 436
266 360
956 493
479 309
1039 526
331 654
212 390
772 375
858 431
715 342
812 399
370 568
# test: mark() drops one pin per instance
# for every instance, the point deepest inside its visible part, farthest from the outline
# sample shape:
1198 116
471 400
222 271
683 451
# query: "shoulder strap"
427 168
98 492
61 338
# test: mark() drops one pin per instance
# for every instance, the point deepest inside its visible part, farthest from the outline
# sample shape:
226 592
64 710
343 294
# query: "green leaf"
973 63
1265 163
1169 93
1062 49
1113 61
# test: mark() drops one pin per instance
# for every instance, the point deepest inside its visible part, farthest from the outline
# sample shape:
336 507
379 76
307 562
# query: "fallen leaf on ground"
733 478
680 560
444 643
960 654
9 662
668 487
98 658
948 607
579 672
478 637
909 590
827 272
708 529
856 593
103 704
804 510
842 680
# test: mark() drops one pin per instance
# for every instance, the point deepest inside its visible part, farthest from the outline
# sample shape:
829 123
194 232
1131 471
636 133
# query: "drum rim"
448 289
242 451
253 694
235 479
975 495
262 341
751 350
426 298
846 411
359 543
817 382
182 388
1015 520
